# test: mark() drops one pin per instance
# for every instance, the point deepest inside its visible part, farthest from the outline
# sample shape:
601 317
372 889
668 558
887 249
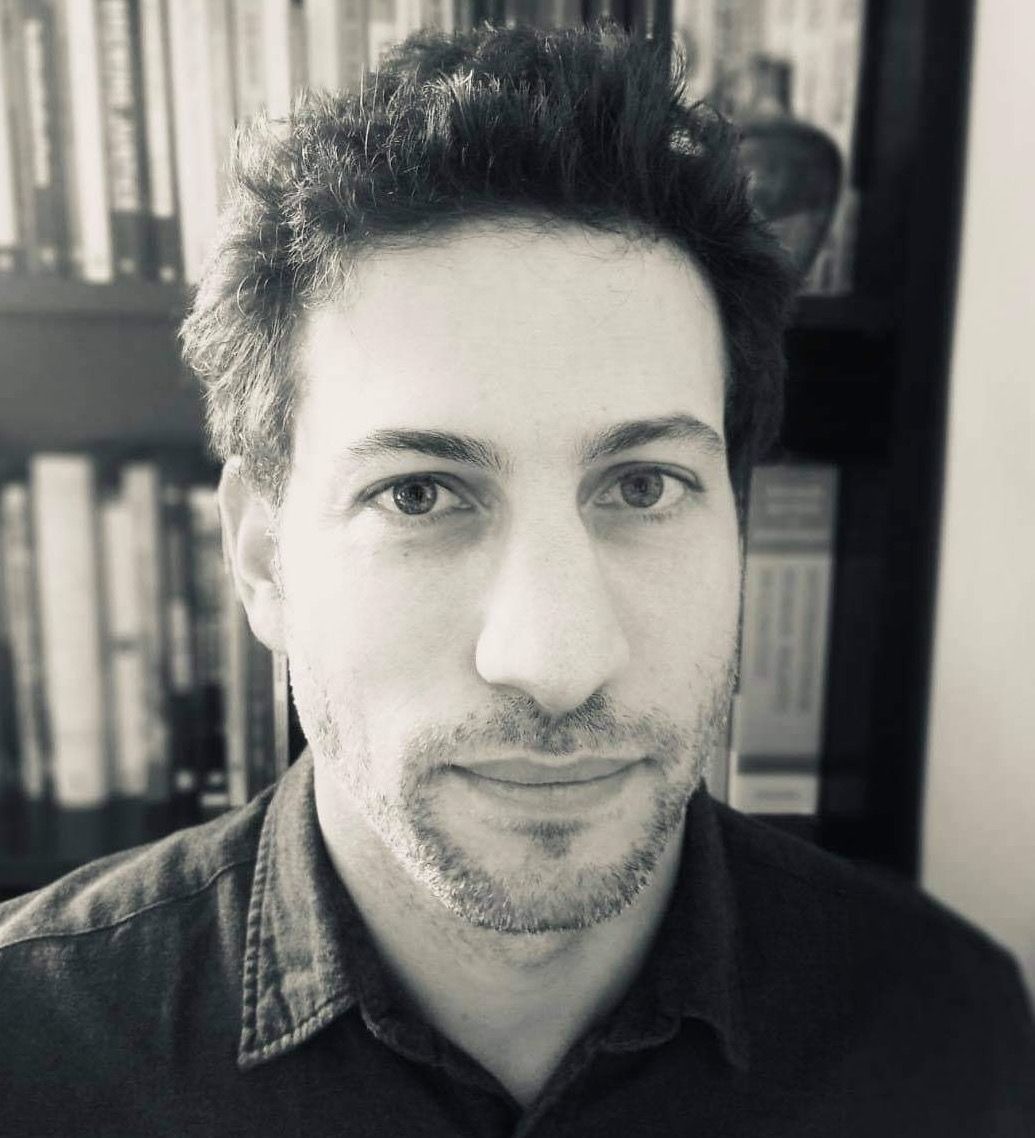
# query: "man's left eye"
644 489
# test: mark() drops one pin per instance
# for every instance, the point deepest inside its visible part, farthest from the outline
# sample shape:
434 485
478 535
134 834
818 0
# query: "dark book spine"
163 219
119 27
183 701
38 44
11 236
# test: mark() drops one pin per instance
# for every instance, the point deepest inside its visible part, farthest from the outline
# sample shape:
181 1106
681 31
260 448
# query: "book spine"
8 718
179 642
119 36
22 607
222 111
208 575
693 26
352 30
126 655
18 125
39 48
161 183
439 14
235 725
92 254
276 40
197 164
260 717
11 253
324 44
382 23
68 569
281 718
141 487
778 717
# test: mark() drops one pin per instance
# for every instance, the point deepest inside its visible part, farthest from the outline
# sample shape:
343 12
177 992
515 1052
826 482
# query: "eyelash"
645 515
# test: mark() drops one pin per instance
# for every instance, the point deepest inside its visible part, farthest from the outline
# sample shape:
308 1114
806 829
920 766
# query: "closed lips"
527 772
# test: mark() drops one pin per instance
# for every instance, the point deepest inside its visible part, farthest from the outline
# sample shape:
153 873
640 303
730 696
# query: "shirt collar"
303 968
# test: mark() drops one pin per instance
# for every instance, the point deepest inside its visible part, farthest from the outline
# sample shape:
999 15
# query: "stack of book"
131 676
116 115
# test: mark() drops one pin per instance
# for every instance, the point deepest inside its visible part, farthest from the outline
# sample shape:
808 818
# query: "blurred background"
886 708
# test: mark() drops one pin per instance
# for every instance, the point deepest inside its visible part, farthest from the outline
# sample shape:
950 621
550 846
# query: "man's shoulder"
874 922
115 891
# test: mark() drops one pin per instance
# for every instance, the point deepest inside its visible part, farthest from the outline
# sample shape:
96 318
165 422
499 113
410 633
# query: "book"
39 49
222 109
141 484
8 724
65 521
196 159
336 44
22 607
277 37
207 576
122 88
182 703
249 58
777 732
10 230
127 661
162 208
91 243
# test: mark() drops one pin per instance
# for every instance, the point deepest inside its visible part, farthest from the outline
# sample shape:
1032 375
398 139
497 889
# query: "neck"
516 1002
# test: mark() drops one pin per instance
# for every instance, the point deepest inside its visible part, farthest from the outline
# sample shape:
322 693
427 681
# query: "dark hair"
583 125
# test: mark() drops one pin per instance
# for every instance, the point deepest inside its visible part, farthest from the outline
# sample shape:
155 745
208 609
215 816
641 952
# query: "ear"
249 550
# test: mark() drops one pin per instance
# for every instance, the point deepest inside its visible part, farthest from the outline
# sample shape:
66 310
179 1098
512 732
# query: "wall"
979 821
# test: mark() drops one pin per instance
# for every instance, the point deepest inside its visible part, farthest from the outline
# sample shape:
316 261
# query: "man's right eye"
422 496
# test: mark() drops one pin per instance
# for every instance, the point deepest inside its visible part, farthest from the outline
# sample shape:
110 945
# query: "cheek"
388 621
679 605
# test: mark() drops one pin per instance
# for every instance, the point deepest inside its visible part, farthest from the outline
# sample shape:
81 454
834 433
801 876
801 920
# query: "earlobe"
249 550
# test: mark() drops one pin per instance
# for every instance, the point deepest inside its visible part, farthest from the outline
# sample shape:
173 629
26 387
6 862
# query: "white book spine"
197 163
779 710
142 490
90 194
23 614
353 40
323 44
693 25
276 38
125 650
10 238
67 563
249 58
222 111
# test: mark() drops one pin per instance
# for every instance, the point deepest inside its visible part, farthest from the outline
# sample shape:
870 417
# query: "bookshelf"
96 366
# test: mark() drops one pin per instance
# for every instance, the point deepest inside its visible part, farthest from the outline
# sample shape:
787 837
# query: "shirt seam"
161 903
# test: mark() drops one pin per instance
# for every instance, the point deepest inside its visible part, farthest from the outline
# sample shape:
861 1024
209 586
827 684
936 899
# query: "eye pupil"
417 496
642 489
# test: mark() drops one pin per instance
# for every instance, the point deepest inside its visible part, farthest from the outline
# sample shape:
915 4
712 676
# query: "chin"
557 887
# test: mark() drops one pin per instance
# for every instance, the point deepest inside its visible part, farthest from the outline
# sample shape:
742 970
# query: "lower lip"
549 797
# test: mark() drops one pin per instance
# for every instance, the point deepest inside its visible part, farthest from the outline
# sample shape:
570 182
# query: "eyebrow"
639 432
478 452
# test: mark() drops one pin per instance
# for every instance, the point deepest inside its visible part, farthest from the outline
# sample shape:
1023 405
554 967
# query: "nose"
550 629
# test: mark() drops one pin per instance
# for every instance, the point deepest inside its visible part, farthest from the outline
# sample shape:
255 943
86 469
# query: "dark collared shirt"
221 983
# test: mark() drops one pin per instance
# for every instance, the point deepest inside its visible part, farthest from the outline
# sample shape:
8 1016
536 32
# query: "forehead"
528 337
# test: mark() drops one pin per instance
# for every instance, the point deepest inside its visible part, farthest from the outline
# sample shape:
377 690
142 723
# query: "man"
488 355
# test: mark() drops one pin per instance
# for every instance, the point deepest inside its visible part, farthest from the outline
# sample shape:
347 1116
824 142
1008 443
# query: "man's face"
510 563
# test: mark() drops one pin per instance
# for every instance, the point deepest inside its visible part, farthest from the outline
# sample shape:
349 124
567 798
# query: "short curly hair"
584 125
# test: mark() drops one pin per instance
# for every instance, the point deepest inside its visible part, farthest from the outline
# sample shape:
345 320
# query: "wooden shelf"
22 294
